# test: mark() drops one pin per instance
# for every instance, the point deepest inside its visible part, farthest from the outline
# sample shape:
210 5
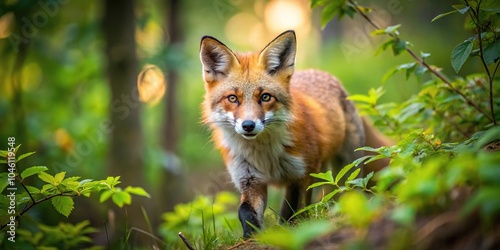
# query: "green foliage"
484 22
460 54
286 237
62 236
334 8
60 190
206 221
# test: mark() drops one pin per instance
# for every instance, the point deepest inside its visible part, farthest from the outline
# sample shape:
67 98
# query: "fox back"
274 126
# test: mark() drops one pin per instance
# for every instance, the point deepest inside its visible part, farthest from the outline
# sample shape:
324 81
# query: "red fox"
276 127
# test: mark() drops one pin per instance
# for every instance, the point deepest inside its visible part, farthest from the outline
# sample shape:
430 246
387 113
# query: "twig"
475 14
148 234
428 142
186 242
457 127
434 224
423 63
37 202
107 235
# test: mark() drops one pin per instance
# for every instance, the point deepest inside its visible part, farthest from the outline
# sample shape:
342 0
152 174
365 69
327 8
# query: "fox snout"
249 129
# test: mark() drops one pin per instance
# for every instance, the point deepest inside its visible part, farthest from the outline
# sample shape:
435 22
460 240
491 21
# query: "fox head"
248 93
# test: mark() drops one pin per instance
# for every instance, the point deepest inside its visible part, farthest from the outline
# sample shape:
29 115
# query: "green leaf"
389 30
378 32
105 196
327 176
83 182
424 54
354 174
392 29
48 189
72 179
329 12
46 177
377 157
137 191
491 52
32 171
460 54
443 15
317 3
419 71
113 181
389 74
71 183
321 183
121 198
329 195
63 204
59 177
361 182
367 179
343 171
489 136
490 5
410 67
398 47
461 8
362 98
384 46
492 9
33 190
407 65
24 155
4 181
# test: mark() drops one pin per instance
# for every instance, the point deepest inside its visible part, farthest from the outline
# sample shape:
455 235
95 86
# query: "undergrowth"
446 157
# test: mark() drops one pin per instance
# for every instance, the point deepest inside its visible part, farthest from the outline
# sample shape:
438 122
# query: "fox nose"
248 125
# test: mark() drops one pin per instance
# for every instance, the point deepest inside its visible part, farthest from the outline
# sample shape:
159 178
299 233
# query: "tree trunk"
125 139
170 139
172 187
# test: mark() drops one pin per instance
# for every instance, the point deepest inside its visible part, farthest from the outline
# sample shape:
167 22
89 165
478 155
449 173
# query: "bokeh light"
151 85
285 15
6 23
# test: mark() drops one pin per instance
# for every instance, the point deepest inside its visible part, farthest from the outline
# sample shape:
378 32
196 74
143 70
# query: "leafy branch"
59 189
397 42
474 14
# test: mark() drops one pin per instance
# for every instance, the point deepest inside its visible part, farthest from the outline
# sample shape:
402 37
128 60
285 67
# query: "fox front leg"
252 205
296 196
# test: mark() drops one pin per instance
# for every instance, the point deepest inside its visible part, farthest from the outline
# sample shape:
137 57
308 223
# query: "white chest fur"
264 158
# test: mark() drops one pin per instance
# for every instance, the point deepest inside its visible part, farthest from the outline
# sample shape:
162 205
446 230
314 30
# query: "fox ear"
216 58
279 55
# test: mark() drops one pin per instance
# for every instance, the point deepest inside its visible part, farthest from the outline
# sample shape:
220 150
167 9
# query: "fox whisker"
222 123
276 120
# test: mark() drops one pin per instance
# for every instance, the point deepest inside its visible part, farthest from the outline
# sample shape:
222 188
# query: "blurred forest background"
69 82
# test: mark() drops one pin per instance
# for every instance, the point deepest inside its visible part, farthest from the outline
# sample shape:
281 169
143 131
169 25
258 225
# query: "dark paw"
248 219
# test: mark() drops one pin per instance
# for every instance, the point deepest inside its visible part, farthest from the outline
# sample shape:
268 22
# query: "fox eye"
232 99
265 97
